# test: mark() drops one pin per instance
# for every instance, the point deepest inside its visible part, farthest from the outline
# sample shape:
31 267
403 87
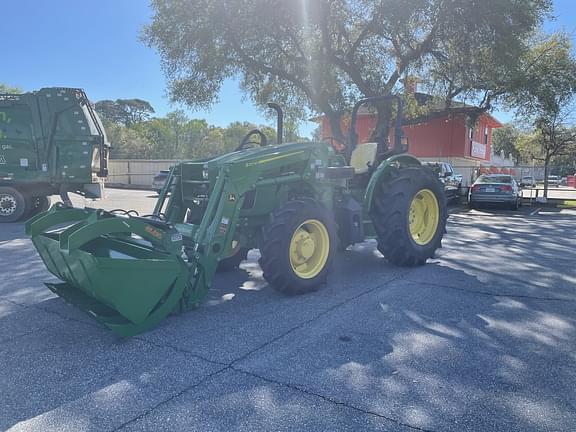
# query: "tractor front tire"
14 205
409 215
297 246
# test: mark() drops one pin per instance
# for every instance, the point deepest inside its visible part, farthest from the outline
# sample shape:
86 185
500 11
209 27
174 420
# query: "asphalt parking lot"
483 338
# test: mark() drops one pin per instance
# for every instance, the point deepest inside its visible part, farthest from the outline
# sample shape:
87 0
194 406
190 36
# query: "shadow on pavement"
482 338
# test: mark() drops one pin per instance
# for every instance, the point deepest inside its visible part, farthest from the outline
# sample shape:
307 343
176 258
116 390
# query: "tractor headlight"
205 173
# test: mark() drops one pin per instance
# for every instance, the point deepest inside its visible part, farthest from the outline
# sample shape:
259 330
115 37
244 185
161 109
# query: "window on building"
486 135
471 134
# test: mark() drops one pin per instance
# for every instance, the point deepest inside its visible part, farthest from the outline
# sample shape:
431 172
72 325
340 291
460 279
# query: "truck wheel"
13 204
409 215
233 261
297 246
39 204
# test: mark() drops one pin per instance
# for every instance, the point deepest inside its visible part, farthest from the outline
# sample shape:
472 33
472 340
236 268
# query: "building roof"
466 110
423 98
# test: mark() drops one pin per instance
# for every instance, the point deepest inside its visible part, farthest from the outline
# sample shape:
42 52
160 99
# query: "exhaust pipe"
279 122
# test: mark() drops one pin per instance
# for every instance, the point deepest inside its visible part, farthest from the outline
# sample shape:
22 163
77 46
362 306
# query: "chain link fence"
140 173
134 172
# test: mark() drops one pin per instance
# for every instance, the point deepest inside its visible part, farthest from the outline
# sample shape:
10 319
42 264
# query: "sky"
95 45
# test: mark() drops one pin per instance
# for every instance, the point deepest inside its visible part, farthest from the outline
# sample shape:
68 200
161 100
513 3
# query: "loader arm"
210 241
130 272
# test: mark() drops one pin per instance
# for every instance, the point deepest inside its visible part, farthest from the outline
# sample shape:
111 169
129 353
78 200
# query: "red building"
442 135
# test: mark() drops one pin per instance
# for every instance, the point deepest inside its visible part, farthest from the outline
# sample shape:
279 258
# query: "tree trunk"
334 119
546 170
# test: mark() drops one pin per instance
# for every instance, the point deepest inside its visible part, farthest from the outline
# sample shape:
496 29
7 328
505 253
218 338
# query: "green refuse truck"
51 143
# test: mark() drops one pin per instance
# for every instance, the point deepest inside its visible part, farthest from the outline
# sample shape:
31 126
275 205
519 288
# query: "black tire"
232 262
14 205
38 205
275 246
390 214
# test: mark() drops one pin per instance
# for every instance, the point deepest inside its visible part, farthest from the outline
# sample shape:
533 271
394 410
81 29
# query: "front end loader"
296 202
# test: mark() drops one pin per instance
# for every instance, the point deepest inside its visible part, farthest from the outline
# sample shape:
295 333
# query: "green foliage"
124 111
4 88
506 139
127 143
544 92
319 56
178 137
545 98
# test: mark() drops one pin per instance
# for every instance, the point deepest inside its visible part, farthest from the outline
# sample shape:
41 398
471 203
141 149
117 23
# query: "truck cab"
51 142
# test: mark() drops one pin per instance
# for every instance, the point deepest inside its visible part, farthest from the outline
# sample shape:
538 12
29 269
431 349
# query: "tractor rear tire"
298 246
14 205
409 215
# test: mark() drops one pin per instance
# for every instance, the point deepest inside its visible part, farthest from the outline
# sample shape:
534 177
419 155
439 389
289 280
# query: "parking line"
535 211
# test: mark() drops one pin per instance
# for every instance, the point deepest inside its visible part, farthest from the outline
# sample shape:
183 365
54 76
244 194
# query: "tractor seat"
363 157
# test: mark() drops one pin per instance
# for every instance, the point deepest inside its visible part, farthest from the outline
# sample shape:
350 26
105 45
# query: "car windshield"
494 179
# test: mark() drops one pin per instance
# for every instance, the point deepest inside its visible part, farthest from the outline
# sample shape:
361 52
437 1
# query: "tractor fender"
398 161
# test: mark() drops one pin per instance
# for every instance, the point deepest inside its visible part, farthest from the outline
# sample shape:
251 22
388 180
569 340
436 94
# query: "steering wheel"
246 140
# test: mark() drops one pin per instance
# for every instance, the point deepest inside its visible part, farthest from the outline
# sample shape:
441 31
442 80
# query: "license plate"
489 190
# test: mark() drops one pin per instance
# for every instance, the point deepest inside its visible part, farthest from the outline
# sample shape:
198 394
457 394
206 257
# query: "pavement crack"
318 316
52 312
28 333
491 294
181 351
330 399
170 398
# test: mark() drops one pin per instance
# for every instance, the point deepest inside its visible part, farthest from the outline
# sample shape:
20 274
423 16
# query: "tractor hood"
289 157
260 153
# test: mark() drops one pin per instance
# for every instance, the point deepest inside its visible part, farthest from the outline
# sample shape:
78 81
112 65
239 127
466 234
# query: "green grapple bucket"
127 272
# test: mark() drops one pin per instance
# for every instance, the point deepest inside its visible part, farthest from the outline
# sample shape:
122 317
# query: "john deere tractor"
296 202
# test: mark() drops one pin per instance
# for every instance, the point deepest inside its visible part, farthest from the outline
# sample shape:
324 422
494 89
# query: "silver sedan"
495 189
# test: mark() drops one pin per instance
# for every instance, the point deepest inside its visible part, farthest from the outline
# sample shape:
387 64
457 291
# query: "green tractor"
297 202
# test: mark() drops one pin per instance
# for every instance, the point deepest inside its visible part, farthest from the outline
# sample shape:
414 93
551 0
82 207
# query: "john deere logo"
231 197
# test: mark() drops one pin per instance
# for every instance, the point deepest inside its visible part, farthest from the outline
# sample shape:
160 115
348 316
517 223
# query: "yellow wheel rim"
309 249
424 216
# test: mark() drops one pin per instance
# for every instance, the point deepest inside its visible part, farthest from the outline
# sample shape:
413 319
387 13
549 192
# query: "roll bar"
353 136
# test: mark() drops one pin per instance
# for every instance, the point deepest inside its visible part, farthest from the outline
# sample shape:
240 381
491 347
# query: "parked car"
452 181
495 189
159 180
528 181
553 180
564 181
